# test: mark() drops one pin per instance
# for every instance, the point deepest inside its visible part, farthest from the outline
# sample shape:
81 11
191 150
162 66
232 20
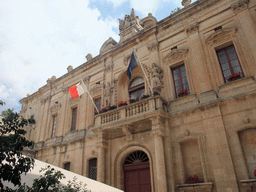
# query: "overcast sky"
41 38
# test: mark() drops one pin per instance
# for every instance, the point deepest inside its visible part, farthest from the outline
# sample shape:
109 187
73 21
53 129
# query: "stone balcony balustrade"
131 111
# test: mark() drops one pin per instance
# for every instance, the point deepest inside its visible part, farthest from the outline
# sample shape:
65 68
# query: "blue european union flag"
133 64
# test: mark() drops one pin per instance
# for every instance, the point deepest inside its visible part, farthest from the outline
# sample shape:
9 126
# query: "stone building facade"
200 119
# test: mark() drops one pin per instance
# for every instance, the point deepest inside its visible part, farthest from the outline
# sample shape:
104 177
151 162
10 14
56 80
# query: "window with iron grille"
180 81
73 122
54 120
230 65
93 168
67 166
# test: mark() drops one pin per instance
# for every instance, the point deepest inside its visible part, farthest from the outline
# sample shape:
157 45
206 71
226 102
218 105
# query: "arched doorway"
137 172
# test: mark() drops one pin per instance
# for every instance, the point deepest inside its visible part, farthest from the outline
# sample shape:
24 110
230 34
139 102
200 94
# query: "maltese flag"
76 90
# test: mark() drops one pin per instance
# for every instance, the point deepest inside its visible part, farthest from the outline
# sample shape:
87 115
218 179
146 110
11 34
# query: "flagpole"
85 88
143 71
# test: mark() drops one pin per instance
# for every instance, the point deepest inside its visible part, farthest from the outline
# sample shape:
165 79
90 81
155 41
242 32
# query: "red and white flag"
76 90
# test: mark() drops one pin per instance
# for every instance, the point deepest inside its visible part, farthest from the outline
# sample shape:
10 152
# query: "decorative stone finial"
70 68
89 56
185 3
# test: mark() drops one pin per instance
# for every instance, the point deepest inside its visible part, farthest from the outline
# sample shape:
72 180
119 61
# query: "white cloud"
41 38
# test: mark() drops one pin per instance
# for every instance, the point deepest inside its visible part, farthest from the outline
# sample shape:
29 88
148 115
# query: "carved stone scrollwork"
192 28
220 36
153 46
86 79
247 120
240 5
148 21
108 68
55 107
45 98
175 54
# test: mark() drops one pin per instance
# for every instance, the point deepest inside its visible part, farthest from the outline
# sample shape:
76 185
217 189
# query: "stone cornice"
240 5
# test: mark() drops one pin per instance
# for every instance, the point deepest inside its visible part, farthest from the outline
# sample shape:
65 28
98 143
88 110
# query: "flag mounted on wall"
133 64
76 90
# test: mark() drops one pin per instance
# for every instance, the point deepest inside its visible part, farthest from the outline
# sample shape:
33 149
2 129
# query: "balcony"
137 112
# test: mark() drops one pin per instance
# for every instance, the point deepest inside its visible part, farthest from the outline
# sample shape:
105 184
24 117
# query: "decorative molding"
86 79
127 132
176 54
108 68
108 45
220 36
153 46
55 107
240 5
148 21
192 28
96 88
73 102
45 98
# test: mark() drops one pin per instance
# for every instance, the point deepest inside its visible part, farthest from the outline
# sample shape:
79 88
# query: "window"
73 122
230 65
180 81
54 120
67 166
137 88
93 168
97 103
247 139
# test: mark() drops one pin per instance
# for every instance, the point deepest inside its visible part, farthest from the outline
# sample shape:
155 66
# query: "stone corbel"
86 79
55 107
192 28
240 5
153 46
126 131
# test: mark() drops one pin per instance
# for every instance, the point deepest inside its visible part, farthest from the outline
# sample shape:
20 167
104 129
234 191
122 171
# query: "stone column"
248 25
158 132
101 164
199 70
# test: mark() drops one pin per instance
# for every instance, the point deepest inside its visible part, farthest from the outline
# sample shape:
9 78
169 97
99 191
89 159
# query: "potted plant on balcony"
144 96
103 109
132 100
192 179
183 92
111 107
234 77
122 103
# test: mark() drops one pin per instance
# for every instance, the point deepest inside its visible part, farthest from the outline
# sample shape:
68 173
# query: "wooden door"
137 177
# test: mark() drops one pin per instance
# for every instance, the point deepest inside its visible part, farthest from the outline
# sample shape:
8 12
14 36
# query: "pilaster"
101 163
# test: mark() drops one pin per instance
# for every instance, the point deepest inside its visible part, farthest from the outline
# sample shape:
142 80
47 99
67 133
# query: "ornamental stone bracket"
192 28
55 107
153 46
158 127
87 79
175 55
240 6
109 68
220 36
127 132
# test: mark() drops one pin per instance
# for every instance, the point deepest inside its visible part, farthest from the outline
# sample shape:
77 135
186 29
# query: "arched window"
93 169
67 166
247 139
137 88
